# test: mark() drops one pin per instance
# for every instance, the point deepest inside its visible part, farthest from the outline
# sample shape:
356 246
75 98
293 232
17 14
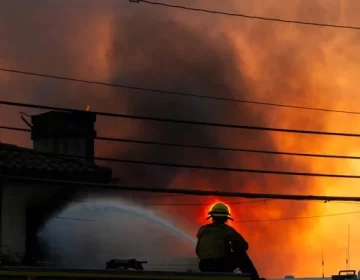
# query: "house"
27 200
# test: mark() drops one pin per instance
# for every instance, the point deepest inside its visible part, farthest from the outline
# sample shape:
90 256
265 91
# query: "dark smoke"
152 48
184 59
181 59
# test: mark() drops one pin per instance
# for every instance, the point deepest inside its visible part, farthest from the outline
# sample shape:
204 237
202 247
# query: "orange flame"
87 109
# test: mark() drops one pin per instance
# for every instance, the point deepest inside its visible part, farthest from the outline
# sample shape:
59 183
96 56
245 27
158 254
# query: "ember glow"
116 41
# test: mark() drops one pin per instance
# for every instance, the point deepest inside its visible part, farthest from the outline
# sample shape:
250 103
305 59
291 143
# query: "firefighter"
220 247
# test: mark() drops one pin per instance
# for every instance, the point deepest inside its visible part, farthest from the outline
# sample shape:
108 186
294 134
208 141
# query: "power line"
229 149
231 169
144 89
219 168
199 204
226 148
178 121
189 204
175 196
247 16
73 219
204 204
15 128
209 204
298 218
194 192
245 221
152 196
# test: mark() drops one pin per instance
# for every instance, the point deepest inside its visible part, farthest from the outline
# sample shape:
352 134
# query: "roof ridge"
27 161
64 157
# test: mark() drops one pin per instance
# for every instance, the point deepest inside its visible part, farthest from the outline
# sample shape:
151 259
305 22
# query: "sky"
138 44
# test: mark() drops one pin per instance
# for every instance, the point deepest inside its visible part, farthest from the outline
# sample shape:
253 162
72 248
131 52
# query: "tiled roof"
19 161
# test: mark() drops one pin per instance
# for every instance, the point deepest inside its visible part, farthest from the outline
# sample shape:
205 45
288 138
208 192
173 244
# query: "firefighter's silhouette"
220 247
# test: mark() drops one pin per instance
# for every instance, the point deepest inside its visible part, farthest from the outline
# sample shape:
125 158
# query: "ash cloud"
152 48
185 59
181 59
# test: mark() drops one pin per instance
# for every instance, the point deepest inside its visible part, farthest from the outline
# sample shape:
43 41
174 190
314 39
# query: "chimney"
67 133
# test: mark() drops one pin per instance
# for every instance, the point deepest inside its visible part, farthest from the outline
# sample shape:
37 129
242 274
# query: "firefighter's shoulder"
202 229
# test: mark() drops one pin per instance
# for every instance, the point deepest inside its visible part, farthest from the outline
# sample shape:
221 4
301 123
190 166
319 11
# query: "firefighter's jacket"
218 241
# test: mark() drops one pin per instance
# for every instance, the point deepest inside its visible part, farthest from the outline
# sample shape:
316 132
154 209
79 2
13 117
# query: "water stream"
87 234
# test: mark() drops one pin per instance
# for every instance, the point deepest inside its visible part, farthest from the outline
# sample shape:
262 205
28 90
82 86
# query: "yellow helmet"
219 210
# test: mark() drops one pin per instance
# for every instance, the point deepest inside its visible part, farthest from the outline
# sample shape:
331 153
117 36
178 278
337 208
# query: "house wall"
16 197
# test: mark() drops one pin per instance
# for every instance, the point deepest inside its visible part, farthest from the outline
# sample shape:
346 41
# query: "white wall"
15 199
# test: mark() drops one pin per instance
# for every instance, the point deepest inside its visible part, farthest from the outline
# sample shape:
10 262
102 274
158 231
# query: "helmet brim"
219 214
228 218
211 215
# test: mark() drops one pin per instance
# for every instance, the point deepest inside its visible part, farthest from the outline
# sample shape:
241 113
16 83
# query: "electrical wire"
227 202
194 192
246 16
178 121
297 218
224 169
144 89
82 157
195 204
154 196
249 221
15 128
209 204
229 149
73 219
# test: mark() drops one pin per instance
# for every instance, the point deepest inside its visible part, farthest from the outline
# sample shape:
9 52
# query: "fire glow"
284 64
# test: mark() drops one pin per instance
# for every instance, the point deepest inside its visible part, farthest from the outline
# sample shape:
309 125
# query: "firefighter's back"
214 241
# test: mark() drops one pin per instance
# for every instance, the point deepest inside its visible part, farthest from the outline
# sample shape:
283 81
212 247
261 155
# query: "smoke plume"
182 51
